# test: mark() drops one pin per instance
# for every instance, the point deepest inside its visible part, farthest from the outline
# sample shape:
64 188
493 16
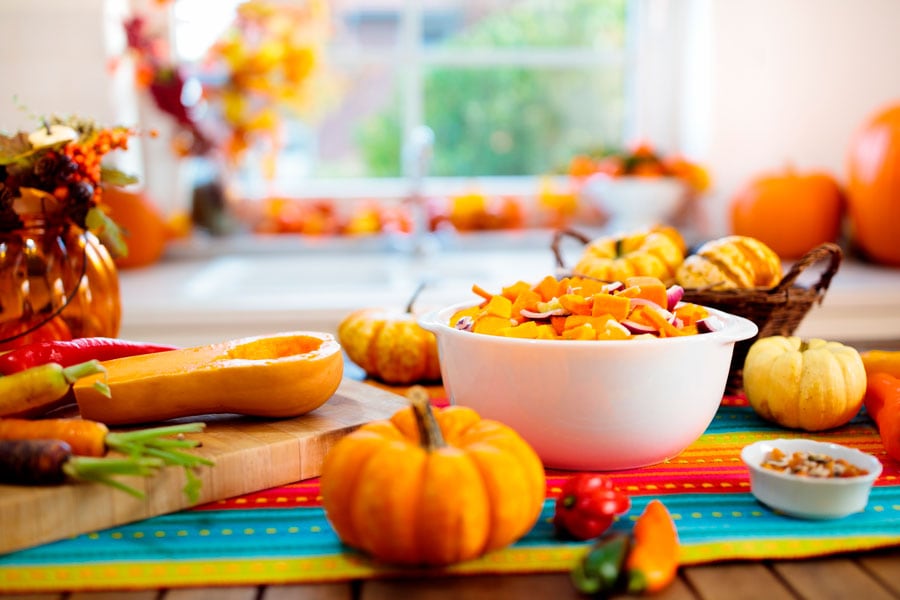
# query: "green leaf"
116 177
106 229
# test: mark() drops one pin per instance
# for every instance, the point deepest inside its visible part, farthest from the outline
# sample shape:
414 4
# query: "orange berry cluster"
88 155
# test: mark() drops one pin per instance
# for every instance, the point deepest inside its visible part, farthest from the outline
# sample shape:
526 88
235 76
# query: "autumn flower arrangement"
56 172
266 65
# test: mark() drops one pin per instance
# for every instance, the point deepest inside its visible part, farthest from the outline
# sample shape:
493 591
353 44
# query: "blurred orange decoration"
266 64
475 211
640 160
321 217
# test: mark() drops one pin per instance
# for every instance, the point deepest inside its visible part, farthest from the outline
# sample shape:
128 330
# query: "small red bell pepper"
882 402
588 505
71 352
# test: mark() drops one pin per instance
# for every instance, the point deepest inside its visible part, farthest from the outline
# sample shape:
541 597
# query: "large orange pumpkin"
143 226
790 212
873 187
432 486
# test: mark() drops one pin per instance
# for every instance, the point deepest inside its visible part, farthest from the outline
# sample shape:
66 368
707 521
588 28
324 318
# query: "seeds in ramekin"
810 464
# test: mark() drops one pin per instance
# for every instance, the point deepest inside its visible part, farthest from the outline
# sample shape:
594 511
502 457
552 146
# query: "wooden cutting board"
250 455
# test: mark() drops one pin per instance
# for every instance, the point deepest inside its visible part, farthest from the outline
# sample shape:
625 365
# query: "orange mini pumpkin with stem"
390 346
790 212
432 486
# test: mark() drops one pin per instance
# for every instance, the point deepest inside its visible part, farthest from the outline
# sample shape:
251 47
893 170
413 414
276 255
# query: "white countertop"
206 297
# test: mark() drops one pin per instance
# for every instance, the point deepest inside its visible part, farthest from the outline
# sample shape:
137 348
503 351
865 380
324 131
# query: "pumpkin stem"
804 345
429 430
412 301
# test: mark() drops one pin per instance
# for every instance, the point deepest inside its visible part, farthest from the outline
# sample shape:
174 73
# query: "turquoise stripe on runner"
304 532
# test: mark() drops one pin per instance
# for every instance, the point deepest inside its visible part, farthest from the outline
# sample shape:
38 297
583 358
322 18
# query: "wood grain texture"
250 454
831 578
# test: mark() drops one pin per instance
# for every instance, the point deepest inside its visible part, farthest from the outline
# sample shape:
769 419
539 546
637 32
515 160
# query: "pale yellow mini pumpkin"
804 384
731 262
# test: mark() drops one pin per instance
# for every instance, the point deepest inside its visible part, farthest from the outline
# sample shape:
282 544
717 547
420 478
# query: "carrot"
51 462
480 291
85 438
93 439
882 401
36 390
652 562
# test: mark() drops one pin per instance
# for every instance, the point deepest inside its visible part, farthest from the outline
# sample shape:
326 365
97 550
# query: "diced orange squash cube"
582 332
547 288
527 300
575 304
629 292
546 332
558 323
613 331
490 324
587 287
526 330
499 306
598 323
608 304
472 311
650 288
690 313
515 290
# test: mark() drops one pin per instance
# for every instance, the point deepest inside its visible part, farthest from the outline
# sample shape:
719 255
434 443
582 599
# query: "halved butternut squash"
281 375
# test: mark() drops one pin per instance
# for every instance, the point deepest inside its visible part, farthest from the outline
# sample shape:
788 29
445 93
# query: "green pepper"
601 568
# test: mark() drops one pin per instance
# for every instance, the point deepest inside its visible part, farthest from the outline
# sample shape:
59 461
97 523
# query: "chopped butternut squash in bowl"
595 376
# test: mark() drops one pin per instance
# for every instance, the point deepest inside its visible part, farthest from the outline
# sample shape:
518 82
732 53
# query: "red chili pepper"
588 505
72 352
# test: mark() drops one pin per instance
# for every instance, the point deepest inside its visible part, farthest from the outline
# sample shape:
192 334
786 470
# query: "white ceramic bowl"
632 202
810 497
591 405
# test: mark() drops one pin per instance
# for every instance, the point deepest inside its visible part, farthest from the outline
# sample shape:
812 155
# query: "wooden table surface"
870 576
857 576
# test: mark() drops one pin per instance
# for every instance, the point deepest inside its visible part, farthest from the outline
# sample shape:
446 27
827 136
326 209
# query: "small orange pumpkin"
389 345
143 226
790 212
873 187
432 486
654 252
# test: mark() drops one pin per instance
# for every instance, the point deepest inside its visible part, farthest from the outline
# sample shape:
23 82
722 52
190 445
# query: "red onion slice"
638 328
670 317
710 324
674 294
556 312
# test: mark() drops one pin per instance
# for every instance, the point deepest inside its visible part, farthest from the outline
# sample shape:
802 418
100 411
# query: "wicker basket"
776 311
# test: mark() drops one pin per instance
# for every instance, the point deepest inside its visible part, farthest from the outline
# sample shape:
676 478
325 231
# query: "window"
506 87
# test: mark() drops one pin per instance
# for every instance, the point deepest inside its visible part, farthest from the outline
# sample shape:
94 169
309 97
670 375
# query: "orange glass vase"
57 282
